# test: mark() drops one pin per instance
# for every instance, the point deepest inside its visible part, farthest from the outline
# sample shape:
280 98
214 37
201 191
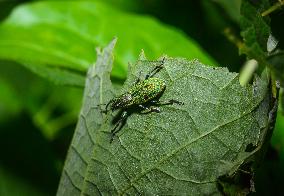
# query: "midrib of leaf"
80 63
68 28
87 23
186 145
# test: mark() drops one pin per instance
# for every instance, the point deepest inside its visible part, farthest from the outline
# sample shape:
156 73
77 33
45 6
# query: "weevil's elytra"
143 93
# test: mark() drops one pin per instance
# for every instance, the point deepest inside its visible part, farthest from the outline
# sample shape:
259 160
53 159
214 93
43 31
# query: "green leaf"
46 117
127 5
57 37
10 103
184 149
255 30
51 108
276 61
98 89
57 75
277 140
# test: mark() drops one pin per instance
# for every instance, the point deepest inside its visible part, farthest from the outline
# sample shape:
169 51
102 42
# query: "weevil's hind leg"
156 69
169 102
149 109
116 128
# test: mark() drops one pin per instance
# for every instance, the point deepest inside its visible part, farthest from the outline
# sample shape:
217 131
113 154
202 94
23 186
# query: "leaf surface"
98 89
183 149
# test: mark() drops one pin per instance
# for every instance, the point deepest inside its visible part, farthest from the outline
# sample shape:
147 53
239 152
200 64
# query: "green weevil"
144 93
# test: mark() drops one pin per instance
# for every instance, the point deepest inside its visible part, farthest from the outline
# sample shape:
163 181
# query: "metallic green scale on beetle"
147 90
142 92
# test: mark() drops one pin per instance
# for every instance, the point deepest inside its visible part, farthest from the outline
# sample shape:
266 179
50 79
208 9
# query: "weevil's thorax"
147 90
122 101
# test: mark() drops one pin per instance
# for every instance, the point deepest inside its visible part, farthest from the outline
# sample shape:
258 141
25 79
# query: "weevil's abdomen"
147 90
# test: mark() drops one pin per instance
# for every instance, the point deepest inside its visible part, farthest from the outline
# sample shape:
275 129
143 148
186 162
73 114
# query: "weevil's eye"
121 102
127 98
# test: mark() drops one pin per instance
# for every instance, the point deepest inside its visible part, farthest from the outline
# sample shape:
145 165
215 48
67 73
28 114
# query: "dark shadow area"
27 154
250 147
212 21
277 19
240 182
269 176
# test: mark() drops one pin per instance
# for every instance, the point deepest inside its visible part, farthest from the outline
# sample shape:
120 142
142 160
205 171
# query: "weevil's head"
122 101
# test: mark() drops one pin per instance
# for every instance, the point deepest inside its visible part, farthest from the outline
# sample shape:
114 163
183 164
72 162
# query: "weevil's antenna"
101 104
156 69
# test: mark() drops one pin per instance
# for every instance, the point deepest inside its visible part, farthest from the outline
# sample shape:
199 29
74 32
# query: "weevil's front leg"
149 109
102 110
106 108
116 128
169 102
156 69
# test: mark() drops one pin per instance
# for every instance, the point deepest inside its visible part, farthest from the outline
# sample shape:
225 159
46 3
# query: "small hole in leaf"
250 147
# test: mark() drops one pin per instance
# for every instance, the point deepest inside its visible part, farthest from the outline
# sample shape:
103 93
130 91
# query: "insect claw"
155 109
104 111
176 102
111 138
180 103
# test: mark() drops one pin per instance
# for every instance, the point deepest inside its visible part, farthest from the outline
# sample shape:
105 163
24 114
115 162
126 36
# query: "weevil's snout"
121 102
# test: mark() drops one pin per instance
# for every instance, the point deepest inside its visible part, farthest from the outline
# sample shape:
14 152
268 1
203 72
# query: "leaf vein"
186 145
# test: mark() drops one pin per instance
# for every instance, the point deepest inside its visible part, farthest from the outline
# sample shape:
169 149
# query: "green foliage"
278 137
255 30
98 89
183 149
211 145
10 105
58 41
276 62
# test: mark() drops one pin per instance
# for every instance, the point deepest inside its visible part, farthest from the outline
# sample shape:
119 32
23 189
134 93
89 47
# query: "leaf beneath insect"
184 149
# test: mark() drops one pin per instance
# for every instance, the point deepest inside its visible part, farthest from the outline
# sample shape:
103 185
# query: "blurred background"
38 114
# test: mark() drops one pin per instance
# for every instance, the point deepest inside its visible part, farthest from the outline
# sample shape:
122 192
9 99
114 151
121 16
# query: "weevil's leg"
169 102
156 69
150 109
116 128
106 108
96 106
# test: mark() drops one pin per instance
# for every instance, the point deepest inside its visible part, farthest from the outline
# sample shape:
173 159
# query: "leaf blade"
183 149
51 33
